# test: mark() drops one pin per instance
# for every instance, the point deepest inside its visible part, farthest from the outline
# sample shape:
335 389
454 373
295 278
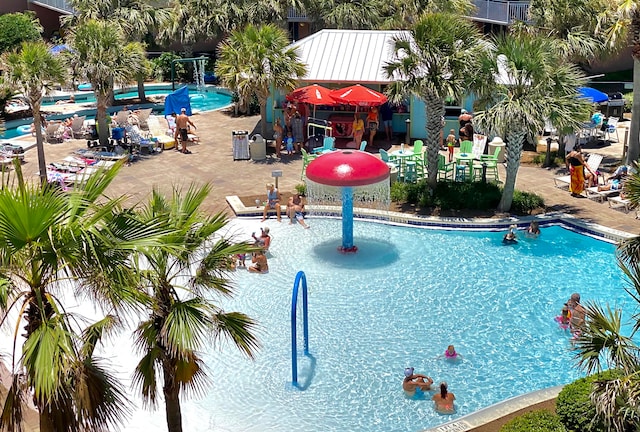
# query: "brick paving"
212 161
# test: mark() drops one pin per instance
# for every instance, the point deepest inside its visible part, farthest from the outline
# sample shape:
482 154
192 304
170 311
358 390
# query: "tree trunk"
434 111
634 129
263 117
515 141
101 118
141 94
171 392
37 124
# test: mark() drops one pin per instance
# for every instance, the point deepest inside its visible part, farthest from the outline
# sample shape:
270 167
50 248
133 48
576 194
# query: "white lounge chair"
594 194
618 202
78 130
611 130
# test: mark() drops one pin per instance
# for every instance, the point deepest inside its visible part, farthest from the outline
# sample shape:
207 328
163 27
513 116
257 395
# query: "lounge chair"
78 130
611 130
618 202
158 133
143 118
52 134
593 161
122 118
594 194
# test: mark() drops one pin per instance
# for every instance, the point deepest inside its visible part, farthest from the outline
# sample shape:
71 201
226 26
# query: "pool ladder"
300 277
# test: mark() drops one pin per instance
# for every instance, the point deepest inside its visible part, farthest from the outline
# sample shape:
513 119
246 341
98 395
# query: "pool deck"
212 161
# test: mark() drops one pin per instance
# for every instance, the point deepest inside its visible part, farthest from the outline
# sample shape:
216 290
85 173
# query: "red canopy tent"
359 96
314 95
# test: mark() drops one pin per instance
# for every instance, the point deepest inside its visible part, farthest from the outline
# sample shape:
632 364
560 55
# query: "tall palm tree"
620 23
256 61
525 80
105 58
183 319
136 18
435 61
32 69
58 247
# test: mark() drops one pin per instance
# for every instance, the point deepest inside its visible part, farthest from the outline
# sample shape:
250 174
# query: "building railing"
501 12
58 5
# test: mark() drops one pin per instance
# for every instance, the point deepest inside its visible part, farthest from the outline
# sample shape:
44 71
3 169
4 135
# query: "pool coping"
573 223
498 410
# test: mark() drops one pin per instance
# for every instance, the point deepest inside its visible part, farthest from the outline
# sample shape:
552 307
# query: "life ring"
24 129
85 87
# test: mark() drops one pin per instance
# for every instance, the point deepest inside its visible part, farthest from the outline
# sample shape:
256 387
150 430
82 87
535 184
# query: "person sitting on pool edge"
413 382
444 400
273 202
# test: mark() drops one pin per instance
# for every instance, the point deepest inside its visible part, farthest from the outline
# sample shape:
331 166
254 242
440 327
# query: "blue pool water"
398 302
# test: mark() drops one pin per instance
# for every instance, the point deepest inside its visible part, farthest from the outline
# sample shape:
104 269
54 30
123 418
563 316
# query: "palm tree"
620 23
437 60
525 80
57 247
105 58
136 18
32 69
182 317
256 61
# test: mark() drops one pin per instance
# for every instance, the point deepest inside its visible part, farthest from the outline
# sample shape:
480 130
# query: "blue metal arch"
305 320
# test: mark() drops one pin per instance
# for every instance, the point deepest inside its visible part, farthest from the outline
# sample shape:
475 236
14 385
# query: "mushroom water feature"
347 176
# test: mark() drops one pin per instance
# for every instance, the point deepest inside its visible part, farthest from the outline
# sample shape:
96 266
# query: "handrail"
305 319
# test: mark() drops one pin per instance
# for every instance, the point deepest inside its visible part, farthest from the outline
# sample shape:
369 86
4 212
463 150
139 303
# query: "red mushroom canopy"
347 168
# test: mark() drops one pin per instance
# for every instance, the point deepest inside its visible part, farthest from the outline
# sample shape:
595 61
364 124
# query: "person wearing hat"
444 400
413 382
264 241
182 126
615 182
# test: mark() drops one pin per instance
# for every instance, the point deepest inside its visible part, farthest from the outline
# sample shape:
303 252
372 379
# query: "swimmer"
444 400
412 382
510 236
565 314
534 230
451 353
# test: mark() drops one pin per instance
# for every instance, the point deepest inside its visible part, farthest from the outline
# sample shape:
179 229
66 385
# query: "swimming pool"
398 302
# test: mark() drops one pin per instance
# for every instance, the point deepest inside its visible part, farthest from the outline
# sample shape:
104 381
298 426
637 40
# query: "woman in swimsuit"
259 261
358 129
372 123
278 135
444 400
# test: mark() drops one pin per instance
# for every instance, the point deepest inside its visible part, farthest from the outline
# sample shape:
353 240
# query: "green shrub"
556 160
301 188
398 191
162 67
537 421
472 196
524 202
574 406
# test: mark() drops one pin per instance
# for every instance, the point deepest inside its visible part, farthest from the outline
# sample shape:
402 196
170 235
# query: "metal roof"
347 56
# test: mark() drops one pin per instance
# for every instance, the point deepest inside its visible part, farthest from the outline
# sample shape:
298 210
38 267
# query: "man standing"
182 126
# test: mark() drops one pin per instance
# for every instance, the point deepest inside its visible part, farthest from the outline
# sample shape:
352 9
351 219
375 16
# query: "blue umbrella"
595 96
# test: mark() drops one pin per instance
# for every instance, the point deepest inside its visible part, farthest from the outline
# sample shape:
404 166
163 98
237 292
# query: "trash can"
258 148
240 142
497 143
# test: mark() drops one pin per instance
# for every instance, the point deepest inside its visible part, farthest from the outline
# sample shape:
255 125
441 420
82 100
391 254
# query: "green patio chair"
306 160
445 170
466 147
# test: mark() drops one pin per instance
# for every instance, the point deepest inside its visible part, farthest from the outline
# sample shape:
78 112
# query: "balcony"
501 12
57 5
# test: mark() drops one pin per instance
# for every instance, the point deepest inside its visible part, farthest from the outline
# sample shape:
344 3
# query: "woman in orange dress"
577 166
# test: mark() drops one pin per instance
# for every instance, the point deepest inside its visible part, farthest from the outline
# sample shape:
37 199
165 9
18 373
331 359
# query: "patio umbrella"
359 96
314 95
595 96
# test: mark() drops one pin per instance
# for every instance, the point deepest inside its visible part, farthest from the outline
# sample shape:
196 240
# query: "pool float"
449 355
85 87
563 326
24 129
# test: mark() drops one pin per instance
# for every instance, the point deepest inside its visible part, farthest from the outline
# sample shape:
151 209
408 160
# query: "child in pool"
451 353
533 230
565 315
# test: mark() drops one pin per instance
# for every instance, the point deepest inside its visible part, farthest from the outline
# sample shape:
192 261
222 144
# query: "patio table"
403 156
